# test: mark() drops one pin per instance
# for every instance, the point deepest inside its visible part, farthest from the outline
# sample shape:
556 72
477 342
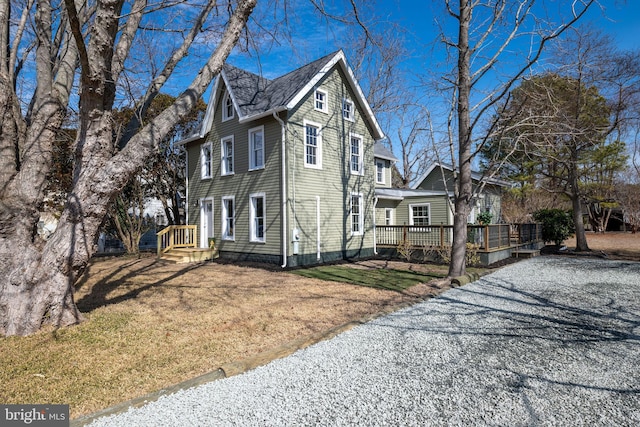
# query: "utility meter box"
295 237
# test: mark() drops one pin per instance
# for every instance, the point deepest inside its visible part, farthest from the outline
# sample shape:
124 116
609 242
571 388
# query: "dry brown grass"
617 245
150 325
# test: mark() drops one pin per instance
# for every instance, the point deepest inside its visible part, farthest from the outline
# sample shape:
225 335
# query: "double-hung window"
357 217
228 218
320 101
205 161
312 145
348 110
388 216
256 148
226 155
227 108
419 214
379 171
356 164
257 217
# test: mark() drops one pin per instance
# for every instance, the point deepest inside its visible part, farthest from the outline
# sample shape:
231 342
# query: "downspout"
375 238
318 253
283 191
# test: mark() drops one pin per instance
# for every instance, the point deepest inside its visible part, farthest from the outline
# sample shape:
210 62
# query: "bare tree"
480 80
95 40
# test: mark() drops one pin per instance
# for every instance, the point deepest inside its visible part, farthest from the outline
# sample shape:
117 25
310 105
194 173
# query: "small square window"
320 101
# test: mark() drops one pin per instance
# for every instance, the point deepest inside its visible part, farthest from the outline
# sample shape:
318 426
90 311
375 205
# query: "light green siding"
434 181
438 210
330 187
240 185
382 206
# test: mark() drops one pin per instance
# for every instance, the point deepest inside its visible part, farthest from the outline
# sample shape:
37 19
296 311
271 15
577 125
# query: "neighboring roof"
255 97
474 175
381 152
401 193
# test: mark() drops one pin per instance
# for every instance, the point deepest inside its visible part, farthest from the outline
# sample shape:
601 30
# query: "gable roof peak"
255 96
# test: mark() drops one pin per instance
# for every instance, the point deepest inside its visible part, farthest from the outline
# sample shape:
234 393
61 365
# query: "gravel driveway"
548 341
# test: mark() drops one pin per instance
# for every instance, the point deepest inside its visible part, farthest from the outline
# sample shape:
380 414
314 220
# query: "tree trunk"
581 238
463 195
38 276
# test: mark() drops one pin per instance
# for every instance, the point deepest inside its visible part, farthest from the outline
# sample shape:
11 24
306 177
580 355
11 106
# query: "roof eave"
246 119
340 58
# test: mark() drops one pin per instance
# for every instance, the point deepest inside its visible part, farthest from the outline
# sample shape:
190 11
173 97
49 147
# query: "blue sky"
418 18
417 24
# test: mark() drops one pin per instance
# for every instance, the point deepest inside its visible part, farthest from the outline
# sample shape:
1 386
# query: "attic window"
227 110
347 110
320 101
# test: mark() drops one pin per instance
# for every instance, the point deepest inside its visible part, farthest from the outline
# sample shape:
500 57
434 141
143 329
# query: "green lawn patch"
390 279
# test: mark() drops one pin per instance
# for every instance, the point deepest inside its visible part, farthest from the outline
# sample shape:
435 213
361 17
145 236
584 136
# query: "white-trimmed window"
355 148
256 148
388 216
226 156
380 171
357 216
257 222
227 108
419 214
228 217
205 161
320 101
312 145
348 110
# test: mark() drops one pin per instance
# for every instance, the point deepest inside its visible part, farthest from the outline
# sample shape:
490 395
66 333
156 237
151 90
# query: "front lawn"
388 279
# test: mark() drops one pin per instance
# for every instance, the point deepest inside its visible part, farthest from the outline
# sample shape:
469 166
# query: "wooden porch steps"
186 255
525 253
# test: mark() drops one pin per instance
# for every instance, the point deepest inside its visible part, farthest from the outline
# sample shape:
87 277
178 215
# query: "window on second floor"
320 101
419 214
257 217
227 107
226 156
205 161
256 148
312 145
348 110
356 164
380 171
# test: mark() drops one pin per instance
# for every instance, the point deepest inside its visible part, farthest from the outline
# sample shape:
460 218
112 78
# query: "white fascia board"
270 112
340 58
208 116
391 159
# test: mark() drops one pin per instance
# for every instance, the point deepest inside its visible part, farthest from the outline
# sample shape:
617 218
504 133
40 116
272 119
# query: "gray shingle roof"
254 94
381 152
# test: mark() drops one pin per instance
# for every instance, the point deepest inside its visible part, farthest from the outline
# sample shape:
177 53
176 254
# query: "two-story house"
281 170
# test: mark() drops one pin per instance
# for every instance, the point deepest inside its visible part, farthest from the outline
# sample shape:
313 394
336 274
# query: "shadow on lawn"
98 296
